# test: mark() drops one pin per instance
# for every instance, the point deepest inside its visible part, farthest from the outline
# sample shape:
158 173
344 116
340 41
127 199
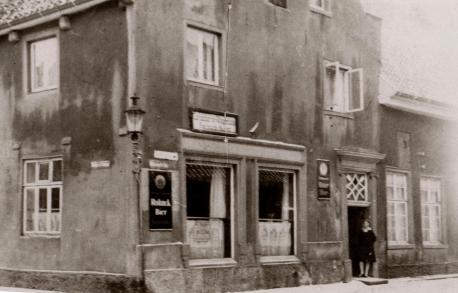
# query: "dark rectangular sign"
160 200
323 179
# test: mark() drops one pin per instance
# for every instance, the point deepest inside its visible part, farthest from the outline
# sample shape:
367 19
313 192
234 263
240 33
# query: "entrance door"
356 215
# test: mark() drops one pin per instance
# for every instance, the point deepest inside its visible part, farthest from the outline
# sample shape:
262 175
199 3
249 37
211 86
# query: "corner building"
260 151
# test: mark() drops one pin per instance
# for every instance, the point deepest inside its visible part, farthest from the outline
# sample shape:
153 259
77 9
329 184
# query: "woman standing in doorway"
366 255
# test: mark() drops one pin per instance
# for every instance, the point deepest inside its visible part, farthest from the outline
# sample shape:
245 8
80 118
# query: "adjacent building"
264 145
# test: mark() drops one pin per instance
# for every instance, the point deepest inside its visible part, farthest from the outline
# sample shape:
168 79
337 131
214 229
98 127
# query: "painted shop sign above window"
214 122
160 200
324 179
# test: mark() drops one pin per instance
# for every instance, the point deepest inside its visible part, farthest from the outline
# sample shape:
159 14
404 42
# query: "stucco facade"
272 67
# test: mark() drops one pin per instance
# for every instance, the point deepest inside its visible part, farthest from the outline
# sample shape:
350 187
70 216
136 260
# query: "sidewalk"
22 290
426 284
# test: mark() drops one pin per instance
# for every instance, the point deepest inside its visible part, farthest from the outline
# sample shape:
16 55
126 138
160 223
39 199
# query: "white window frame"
36 185
324 8
293 172
199 32
343 87
351 201
398 202
232 167
31 61
428 204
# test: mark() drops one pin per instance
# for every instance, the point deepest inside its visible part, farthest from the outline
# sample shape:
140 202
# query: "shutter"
355 90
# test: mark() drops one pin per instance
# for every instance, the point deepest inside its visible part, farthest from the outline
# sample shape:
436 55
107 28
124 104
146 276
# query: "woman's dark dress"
366 246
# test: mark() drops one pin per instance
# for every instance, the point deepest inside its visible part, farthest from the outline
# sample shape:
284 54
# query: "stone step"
370 281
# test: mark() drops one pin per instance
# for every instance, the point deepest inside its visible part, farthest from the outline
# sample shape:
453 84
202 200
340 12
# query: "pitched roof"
12 11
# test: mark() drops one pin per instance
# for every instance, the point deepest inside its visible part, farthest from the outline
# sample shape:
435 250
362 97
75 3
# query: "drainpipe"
131 92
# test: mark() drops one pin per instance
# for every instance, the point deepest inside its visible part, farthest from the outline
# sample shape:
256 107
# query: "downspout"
132 91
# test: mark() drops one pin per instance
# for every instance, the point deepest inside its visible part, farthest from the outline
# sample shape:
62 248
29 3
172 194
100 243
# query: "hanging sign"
214 122
160 200
323 179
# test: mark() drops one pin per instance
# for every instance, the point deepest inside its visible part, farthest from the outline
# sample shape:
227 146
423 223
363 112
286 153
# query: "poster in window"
160 200
323 179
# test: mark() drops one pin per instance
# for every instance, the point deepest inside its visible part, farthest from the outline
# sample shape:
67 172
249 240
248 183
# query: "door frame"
363 161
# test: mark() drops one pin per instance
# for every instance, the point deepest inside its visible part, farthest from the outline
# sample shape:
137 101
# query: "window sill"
202 84
211 263
279 259
338 114
39 236
321 11
42 93
435 246
400 246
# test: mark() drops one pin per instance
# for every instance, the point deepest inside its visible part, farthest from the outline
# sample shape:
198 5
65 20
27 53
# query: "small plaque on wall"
214 122
323 179
160 200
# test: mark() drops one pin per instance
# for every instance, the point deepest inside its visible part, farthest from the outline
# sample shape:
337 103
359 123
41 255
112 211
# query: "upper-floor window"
343 88
202 56
431 209
43 62
321 5
397 208
42 194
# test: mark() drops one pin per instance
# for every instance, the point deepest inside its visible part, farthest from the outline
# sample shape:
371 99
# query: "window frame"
441 228
288 170
234 171
26 65
282 4
217 58
345 96
325 8
30 63
368 200
393 244
38 184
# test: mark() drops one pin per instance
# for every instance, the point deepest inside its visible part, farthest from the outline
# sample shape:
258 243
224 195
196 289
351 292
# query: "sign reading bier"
214 122
160 200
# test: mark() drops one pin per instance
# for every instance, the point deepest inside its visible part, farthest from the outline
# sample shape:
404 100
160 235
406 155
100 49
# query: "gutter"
48 16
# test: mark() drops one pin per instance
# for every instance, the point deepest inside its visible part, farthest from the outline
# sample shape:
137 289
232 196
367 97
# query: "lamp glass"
134 121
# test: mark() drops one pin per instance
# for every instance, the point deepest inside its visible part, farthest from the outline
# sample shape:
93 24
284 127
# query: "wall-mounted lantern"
134 119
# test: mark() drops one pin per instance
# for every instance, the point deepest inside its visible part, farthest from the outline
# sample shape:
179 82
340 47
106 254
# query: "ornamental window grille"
356 187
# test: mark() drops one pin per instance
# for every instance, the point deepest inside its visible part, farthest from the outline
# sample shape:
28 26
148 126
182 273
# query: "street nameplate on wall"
323 179
100 164
160 200
214 122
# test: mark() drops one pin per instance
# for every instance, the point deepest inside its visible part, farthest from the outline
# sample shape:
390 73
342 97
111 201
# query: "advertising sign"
160 200
214 122
323 179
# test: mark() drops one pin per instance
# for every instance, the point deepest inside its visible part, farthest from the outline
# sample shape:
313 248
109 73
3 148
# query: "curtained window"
431 203
43 62
202 55
276 212
208 191
42 196
397 208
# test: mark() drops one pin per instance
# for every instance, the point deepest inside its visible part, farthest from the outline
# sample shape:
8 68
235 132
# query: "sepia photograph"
239 146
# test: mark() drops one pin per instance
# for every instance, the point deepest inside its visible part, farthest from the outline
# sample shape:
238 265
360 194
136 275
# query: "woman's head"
366 224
